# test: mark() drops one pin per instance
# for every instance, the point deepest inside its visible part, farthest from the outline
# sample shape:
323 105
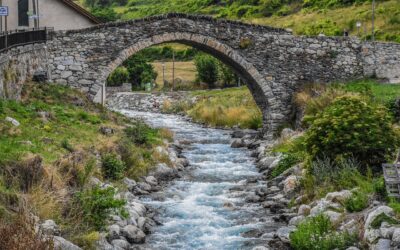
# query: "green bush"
357 202
287 161
318 233
96 205
113 168
140 71
207 69
350 127
141 133
118 77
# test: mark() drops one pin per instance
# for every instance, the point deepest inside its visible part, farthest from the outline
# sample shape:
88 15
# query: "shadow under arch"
258 86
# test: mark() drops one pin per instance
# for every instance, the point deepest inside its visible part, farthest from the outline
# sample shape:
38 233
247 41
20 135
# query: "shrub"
20 234
65 144
350 127
380 187
287 161
357 202
318 233
376 223
118 77
140 133
96 205
112 166
207 69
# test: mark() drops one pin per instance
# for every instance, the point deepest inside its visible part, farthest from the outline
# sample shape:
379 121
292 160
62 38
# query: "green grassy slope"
308 17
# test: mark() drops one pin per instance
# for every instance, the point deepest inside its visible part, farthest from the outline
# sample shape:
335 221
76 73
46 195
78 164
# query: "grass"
185 73
59 142
226 108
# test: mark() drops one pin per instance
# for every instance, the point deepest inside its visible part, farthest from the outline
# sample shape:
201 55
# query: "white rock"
351 227
377 211
296 220
387 230
338 196
304 210
260 248
283 233
123 244
396 236
63 244
114 231
151 180
133 234
334 217
139 208
290 183
49 227
13 121
322 206
383 244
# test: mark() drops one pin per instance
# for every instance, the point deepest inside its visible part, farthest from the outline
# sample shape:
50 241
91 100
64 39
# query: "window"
23 8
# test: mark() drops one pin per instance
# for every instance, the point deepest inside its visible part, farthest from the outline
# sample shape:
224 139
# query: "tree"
140 72
207 69
226 75
118 77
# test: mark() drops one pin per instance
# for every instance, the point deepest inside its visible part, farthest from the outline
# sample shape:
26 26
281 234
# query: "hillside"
308 17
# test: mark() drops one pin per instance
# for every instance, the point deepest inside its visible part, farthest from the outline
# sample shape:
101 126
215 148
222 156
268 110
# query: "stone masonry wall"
18 65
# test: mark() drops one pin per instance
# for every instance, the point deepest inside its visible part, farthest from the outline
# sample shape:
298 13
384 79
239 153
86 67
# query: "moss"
376 223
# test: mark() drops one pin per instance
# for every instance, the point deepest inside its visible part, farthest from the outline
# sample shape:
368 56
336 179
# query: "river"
206 208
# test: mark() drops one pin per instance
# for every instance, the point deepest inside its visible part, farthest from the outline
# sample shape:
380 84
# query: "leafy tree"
118 77
226 75
350 127
140 72
207 69
105 14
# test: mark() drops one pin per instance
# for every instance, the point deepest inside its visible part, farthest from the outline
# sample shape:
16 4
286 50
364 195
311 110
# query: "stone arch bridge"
272 61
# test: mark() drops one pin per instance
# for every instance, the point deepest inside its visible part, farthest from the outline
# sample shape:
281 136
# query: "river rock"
338 196
131 184
304 210
290 184
123 244
49 227
63 244
144 186
351 227
151 180
114 231
102 244
295 221
252 198
396 236
133 234
266 162
260 248
238 143
283 233
383 244
164 173
334 217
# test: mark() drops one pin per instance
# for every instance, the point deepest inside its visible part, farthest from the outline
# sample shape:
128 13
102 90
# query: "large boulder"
238 143
304 210
63 244
164 173
49 227
283 233
383 244
114 231
133 234
338 196
371 216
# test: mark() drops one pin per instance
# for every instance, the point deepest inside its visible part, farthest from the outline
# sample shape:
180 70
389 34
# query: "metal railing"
15 38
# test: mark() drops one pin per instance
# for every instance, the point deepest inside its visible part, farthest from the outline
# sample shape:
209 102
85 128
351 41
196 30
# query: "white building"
60 14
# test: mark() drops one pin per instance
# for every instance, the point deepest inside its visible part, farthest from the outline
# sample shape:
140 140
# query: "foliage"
118 77
287 161
226 75
113 168
141 133
105 14
140 71
318 233
207 69
376 223
357 202
352 128
96 205
19 234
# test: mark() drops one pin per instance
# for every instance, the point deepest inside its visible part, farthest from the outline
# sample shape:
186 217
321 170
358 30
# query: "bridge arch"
256 83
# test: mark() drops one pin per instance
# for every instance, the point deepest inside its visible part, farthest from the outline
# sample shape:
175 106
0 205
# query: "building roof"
81 11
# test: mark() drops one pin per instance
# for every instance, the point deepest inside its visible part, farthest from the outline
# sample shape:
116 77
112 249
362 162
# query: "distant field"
185 71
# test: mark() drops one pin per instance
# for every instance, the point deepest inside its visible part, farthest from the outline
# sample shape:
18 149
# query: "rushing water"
205 209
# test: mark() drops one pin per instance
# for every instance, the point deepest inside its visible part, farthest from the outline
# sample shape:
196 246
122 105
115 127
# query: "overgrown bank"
329 170
57 151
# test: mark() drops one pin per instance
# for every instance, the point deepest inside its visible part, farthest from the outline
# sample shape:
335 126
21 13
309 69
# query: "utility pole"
373 20
37 13
34 13
173 69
